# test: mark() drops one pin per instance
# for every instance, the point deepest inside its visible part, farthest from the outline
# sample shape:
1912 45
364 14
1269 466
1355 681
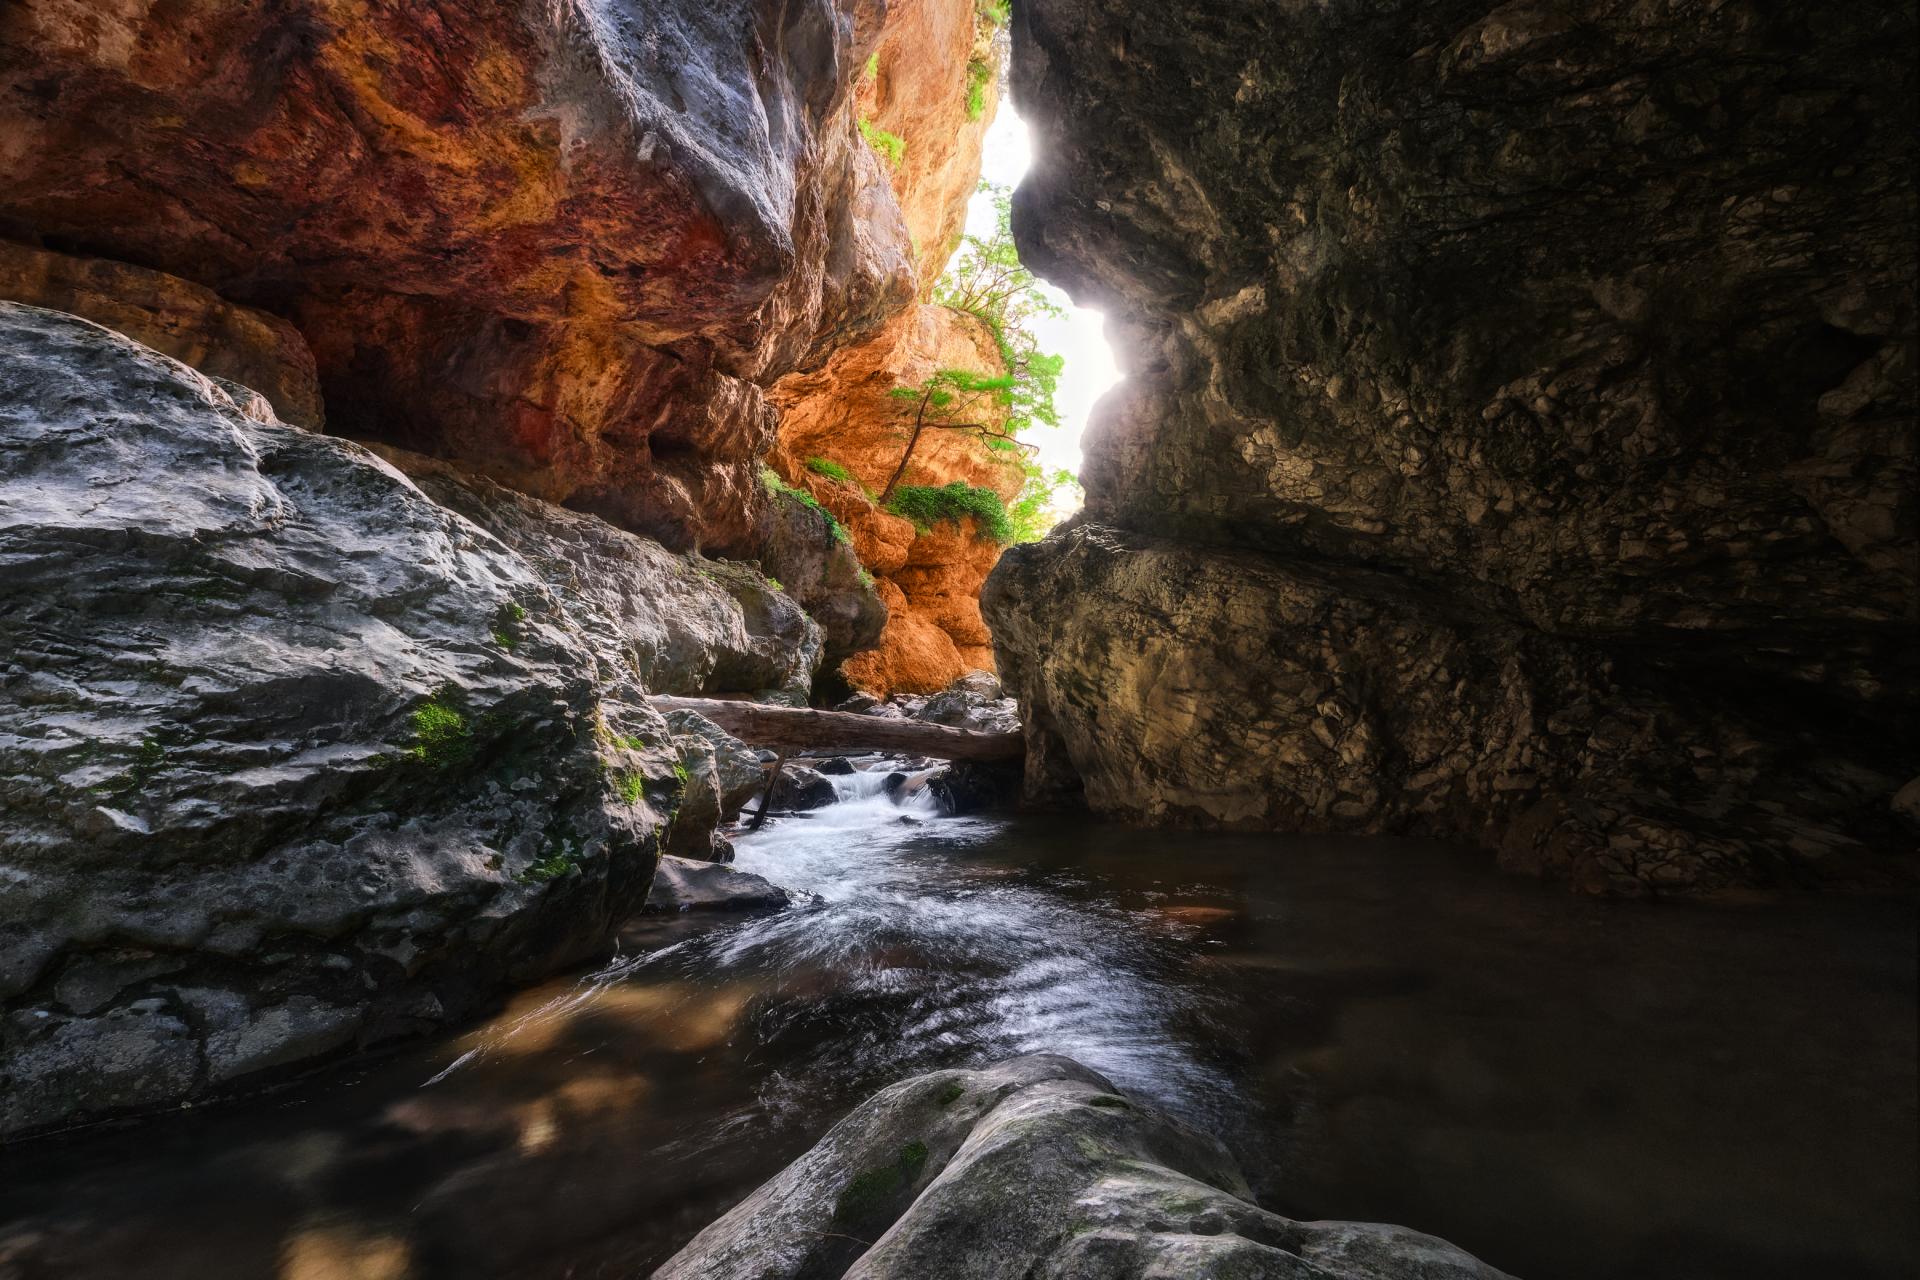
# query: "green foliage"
873 64
561 862
994 12
632 742
926 504
979 80
775 583
1033 510
830 469
891 146
680 772
504 640
866 579
986 281
631 786
949 1094
779 488
441 735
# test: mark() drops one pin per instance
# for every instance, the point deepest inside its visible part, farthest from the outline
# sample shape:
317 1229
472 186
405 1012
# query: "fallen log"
796 728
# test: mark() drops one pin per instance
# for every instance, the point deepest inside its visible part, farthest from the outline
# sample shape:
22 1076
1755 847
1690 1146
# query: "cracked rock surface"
1517 439
1034 1167
294 758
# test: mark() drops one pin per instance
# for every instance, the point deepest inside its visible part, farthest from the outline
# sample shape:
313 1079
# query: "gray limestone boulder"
1039 1168
292 757
682 623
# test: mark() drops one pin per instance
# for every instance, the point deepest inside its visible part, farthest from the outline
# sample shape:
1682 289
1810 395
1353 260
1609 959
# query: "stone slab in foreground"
1035 1167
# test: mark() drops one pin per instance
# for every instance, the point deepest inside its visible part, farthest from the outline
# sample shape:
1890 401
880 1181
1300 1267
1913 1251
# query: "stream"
1381 1029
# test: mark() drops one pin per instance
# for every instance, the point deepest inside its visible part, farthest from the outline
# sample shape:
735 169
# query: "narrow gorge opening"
552 723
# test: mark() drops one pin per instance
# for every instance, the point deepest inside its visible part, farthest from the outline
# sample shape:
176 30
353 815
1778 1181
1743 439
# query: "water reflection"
1381 1029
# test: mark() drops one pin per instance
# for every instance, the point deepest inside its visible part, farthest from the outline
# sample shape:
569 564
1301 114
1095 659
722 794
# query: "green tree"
986 281
954 400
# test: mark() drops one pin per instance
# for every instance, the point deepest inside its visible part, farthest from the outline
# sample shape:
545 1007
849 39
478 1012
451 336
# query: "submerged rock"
686 884
1034 1167
801 788
293 757
970 787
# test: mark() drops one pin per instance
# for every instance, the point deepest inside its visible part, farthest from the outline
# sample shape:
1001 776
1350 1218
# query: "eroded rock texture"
292 757
1518 433
1034 1167
565 243
177 318
929 578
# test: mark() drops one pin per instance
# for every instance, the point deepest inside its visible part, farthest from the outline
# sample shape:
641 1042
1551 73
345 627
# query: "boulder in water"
802 788
684 884
1034 1167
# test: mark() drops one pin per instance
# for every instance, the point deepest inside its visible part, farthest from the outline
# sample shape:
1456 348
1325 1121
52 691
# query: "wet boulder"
737 768
801 788
1034 1167
293 758
685 884
975 787
682 623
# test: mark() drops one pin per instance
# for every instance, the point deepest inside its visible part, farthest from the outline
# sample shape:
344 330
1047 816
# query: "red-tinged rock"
561 243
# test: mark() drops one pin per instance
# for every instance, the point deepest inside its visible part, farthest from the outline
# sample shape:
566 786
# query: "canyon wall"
307 745
1518 435
930 577
566 244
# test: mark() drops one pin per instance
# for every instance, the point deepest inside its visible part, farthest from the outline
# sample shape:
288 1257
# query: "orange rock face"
565 243
918 91
929 580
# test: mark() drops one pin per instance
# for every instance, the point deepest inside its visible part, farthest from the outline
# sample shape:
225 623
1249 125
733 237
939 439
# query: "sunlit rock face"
298 756
929 579
565 243
1517 435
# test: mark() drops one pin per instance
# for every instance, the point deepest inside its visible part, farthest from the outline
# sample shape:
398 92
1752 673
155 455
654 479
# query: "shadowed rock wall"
1518 433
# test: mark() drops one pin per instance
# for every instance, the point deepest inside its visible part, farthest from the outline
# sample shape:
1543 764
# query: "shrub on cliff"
926 504
891 146
779 489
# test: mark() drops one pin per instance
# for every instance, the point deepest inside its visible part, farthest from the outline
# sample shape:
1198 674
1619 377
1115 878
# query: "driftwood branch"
795 728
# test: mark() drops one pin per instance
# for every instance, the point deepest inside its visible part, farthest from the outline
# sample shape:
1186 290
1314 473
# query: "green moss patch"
442 736
562 861
873 1192
781 489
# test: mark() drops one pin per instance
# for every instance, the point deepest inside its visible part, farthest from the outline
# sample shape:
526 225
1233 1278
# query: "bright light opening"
1076 334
